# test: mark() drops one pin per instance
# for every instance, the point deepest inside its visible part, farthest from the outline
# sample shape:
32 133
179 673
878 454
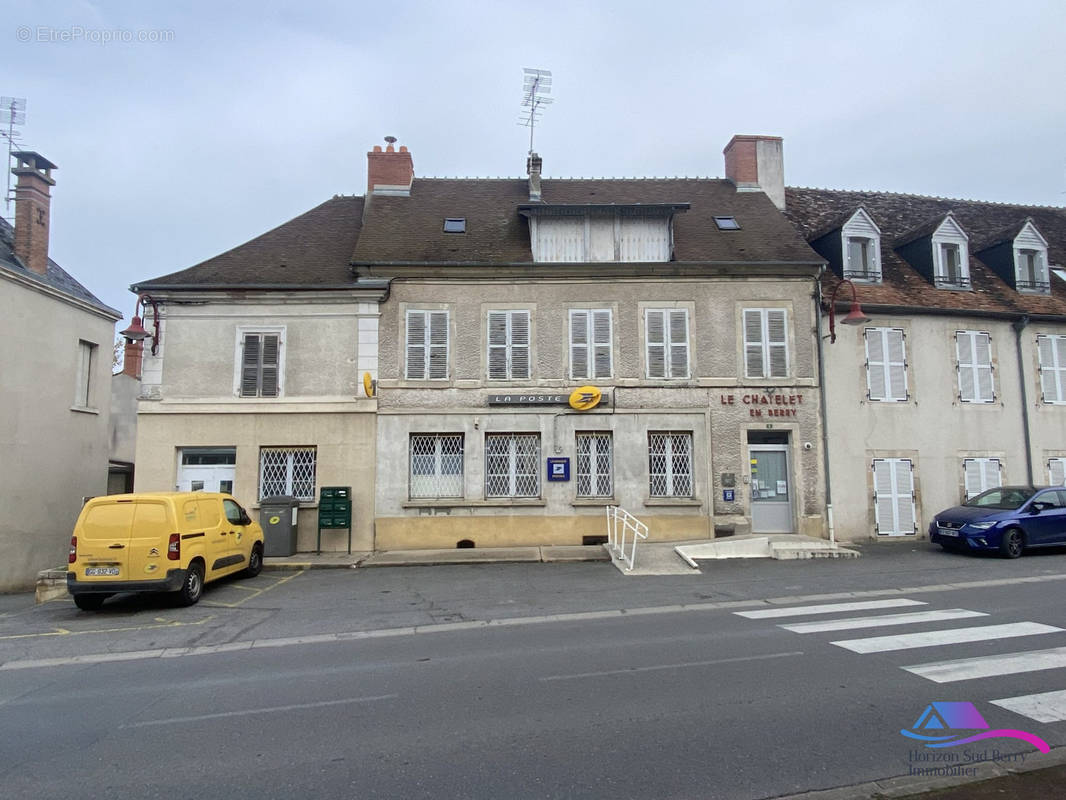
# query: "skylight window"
455 225
727 223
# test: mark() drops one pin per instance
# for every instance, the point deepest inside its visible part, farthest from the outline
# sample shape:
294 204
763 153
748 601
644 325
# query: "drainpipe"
1019 326
821 393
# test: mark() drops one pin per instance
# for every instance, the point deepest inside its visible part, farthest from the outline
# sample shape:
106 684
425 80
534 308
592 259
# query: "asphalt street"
750 679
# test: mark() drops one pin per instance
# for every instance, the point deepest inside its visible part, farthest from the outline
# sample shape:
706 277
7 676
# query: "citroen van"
167 542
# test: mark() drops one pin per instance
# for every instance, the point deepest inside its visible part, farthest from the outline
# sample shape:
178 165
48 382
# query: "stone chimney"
32 209
533 167
389 172
756 164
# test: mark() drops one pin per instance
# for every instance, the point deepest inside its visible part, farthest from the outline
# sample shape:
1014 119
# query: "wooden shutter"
438 345
777 342
679 343
519 344
655 339
416 345
753 344
894 511
250 366
601 344
579 344
268 384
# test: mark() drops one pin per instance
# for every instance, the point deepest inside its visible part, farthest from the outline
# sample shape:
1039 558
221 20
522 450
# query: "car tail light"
73 550
174 547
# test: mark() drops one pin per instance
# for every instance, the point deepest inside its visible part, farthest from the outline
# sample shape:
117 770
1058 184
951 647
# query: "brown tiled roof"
314 249
410 229
897 215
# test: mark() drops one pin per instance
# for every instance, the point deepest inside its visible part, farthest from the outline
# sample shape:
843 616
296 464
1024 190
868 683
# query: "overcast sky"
231 118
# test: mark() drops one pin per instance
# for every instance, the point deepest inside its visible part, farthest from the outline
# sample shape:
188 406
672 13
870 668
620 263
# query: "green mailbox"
335 512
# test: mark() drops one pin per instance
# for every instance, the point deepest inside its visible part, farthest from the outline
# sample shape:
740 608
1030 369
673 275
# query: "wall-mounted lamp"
136 332
855 315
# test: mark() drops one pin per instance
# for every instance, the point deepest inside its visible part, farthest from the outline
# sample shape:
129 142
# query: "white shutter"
416 345
438 345
1052 351
679 343
876 382
655 340
427 345
894 511
508 345
601 344
980 474
974 351
753 344
579 344
884 497
519 344
1056 470
777 342
897 364
497 345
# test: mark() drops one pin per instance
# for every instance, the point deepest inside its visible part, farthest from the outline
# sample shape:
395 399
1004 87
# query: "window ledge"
673 501
459 502
85 410
594 501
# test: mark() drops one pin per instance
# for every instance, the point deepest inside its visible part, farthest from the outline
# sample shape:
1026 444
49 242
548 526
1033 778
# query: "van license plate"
947 531
92 571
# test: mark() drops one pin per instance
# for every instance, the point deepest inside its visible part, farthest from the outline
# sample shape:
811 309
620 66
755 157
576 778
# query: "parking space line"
256 592
177 623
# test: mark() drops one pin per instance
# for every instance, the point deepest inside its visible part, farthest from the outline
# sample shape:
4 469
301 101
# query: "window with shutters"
973 363
594 465
765 343
980 474
590 343
666 342
1056 471
512 465
886 365
260 361
951 255
508 342
287 471
861 240
894 512
426 356
1052 353
436 465
670 464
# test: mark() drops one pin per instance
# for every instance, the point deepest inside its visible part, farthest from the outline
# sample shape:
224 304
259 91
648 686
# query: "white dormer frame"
601 238
950 243
860 241
1031 273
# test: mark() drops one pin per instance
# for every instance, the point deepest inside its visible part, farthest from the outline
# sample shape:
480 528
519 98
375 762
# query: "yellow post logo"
585 398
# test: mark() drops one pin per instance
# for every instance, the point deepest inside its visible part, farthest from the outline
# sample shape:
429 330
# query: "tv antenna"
12 112
536 83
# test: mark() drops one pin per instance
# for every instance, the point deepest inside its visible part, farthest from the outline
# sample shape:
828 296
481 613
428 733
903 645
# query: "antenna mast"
535 84
13 112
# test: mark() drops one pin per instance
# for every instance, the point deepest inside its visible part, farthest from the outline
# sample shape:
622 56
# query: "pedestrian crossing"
832 618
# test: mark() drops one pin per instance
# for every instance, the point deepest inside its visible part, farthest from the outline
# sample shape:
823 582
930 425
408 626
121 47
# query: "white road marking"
634 670
1043 707
964 669
880 621
247 712
908 641
827 608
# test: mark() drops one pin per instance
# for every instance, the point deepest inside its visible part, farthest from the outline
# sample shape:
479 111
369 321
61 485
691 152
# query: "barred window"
512 465
670 464
595 465
287 471
436 465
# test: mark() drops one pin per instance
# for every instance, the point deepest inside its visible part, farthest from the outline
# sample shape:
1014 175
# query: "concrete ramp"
782 546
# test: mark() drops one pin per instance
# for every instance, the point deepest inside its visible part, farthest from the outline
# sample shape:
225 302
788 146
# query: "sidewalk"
422 558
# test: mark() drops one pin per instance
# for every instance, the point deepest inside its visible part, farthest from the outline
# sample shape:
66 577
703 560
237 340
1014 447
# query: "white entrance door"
771 489
207 470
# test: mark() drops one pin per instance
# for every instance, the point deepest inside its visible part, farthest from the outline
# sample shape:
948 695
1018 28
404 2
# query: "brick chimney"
533 167
756 163
32 209
389 172
132 357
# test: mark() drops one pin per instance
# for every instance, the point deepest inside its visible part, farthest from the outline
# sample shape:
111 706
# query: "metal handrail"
617 539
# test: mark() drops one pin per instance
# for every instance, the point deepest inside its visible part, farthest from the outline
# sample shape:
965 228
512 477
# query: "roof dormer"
940 250
589 232
1019 256
861 247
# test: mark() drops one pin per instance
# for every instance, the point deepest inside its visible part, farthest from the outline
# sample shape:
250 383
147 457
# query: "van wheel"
90 602
193 587
255 561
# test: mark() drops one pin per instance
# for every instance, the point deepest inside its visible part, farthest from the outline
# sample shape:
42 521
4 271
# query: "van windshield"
1007 498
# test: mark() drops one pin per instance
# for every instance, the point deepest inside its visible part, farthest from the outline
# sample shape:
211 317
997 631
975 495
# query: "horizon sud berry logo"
945 725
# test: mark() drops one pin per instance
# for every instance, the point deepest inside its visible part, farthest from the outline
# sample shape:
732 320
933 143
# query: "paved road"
529 680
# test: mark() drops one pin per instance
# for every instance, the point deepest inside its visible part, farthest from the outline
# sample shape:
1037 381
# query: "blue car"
1007 519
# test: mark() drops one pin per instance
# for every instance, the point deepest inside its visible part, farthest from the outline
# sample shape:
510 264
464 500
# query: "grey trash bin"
277 517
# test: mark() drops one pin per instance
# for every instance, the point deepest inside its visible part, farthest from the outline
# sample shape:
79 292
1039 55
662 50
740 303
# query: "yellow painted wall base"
438 532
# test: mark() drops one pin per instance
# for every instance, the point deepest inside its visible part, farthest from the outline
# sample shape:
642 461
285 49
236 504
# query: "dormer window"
584 233
1032 274
862 248
951 256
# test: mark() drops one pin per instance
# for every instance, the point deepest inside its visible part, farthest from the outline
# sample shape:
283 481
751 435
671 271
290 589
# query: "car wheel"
1011 543
90 602
255 561
193 586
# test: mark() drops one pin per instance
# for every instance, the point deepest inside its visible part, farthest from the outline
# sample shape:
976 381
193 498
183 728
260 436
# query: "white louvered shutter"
876 383
753 344
777 342
601 344
886 365
508 345
438 345
679 343
1056 470
894 511
416 345
1052 351
579 344
655 339
897 364
974 351
980 474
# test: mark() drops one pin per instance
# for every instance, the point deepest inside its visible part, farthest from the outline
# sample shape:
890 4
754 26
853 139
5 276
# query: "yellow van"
166 542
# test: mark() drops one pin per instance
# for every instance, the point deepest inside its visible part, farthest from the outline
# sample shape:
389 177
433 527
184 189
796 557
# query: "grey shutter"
268 386
497 345
753 344
601 344
416 345
579 344
438 345
655 336
519 344
777 342
250 366
679 344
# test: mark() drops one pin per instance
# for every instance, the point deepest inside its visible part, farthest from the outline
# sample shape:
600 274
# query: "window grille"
595 465
287 471
974 353
512 462
670 464
437 465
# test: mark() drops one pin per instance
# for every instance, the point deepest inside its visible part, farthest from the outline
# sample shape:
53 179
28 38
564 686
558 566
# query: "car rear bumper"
171 583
